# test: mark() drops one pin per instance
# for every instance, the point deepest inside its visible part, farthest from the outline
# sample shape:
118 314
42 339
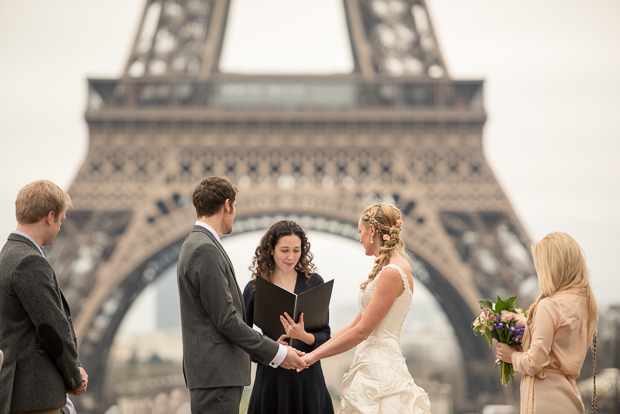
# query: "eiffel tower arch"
317 148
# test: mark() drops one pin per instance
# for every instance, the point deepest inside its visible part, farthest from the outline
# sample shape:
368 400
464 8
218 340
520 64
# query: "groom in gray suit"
217 343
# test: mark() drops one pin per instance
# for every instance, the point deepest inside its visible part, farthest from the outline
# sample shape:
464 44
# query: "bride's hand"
309 359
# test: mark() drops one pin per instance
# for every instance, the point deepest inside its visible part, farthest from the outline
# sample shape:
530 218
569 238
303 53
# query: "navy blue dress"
278 390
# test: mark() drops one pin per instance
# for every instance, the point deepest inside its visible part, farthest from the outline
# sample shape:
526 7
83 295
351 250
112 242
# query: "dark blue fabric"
280 391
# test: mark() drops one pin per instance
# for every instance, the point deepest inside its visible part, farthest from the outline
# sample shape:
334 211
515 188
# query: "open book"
272 301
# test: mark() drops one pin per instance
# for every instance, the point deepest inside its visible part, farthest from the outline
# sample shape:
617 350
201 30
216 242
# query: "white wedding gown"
379 381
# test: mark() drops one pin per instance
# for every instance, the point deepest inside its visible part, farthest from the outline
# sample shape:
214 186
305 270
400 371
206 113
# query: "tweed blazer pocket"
218 339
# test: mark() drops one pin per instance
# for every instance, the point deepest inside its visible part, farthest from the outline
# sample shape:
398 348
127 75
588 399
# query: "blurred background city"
490 124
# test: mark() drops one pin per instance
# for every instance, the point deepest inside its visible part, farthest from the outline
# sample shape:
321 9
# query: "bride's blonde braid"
386 220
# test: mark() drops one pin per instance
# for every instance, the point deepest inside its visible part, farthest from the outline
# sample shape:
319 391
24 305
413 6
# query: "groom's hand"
293 360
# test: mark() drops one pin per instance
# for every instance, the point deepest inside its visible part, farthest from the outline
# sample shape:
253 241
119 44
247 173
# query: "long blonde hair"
387 220
561 264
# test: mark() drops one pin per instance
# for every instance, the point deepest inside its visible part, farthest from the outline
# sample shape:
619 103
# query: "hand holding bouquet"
505 323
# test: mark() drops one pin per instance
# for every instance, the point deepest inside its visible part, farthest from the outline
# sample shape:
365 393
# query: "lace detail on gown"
379 381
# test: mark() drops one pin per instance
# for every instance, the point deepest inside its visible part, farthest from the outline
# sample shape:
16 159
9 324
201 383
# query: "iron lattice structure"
319 148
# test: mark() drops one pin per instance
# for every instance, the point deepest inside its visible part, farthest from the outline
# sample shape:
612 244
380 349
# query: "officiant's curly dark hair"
263 264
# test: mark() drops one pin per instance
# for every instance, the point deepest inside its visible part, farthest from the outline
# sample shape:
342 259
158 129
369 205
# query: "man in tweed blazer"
217 343
41 364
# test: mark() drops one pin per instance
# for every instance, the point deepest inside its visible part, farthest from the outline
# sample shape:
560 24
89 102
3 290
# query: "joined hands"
293 359
308 360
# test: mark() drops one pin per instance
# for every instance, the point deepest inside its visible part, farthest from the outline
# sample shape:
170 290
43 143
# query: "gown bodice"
392 323
386 334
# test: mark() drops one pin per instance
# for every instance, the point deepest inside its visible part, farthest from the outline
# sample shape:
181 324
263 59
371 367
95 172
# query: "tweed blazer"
217 343
36 332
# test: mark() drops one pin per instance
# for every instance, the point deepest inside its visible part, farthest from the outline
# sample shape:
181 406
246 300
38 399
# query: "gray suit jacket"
36 333
217 343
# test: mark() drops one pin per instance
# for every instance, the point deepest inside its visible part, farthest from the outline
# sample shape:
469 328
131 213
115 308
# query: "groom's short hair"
211 194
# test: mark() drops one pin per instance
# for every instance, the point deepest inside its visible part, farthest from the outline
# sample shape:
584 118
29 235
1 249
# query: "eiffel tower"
314 148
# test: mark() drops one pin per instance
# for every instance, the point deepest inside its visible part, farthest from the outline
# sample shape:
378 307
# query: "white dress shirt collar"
211 229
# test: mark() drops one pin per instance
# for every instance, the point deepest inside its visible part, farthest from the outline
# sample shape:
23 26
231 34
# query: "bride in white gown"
379 381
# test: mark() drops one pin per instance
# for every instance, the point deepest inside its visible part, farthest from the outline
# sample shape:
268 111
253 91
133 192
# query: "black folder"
271 301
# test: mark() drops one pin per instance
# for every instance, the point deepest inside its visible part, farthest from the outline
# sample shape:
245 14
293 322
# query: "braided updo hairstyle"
387 220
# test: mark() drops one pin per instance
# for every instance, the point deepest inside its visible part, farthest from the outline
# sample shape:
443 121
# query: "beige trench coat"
557 351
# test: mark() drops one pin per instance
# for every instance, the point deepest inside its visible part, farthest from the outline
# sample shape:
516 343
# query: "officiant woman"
283 258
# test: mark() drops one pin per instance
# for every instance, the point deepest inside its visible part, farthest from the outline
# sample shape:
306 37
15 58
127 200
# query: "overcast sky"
552 93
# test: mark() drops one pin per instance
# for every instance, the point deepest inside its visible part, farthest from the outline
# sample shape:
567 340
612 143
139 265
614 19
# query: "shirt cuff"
280 356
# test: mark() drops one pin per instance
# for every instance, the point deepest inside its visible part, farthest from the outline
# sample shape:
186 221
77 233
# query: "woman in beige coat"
560 327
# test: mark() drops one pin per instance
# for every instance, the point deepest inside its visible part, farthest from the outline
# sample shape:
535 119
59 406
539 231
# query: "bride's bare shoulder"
404 266
389 276
401 263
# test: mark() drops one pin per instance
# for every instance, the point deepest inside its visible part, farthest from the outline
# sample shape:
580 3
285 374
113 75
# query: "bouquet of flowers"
505 323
